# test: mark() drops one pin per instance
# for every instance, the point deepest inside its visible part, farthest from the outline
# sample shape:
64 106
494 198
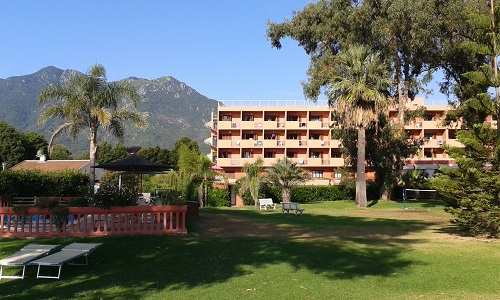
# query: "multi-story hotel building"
240 134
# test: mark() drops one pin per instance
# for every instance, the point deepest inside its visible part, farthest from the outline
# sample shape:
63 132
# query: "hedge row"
33 183
305 194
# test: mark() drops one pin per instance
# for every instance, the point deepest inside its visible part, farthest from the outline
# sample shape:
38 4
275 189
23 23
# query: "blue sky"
217 47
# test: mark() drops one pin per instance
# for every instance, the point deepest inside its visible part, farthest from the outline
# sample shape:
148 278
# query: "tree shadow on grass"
252 223
131 267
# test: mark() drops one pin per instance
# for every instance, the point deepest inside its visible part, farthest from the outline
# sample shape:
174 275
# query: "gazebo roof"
134 164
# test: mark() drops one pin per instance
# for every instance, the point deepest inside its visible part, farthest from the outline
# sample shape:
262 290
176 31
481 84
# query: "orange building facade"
240 134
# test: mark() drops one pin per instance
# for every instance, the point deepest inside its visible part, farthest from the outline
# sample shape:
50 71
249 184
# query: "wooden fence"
91 221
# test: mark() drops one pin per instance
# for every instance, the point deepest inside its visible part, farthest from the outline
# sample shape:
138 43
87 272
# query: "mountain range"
175 109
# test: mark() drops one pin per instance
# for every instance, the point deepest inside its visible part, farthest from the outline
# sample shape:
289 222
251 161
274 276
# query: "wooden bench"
291 207
266 203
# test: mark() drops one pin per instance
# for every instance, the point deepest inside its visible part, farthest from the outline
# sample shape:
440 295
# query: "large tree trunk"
402 99
385 193
92 155
285 195
360 170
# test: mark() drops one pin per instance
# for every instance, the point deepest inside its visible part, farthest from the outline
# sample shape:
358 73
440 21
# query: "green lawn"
333 251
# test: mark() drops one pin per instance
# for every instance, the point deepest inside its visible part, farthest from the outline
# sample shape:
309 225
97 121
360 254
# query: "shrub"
108 196
34 183
308 194
110 180
218 197
167 197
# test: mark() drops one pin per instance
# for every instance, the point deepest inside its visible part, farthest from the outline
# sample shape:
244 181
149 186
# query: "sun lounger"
23 257
68 254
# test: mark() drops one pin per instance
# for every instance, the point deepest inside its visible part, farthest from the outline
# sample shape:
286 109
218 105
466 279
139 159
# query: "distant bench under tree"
266 203
291 207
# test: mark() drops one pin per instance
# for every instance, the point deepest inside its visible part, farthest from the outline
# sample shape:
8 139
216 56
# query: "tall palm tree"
358 92
286 174
89 102
252 180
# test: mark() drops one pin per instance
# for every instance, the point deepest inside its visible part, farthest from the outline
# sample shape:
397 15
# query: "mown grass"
403 263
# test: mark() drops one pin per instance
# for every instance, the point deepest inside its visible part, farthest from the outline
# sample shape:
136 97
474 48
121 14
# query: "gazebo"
134 164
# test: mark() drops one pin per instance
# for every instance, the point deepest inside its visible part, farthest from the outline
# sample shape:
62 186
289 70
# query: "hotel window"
452 134
336 153
317 174
292 136
248 117
247 154
314 118
338 174
428 135
314 136
224 154
292 118
249 136
314 154
225 118
428 116
268 154
270 118
427 153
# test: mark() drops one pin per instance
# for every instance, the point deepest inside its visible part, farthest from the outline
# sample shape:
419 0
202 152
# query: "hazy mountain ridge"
175 109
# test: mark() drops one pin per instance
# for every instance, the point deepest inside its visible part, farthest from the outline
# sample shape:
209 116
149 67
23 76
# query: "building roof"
52 165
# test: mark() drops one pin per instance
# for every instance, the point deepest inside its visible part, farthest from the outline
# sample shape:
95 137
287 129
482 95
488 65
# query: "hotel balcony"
295 125
318 143
273 124
318 162
257 124
432 124
318 125
228 162
228 125
337 162
434 143
273 143
295 143
251 143
228 144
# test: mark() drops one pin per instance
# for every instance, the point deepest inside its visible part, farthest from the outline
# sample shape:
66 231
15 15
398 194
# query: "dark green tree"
473 189
107 152
34 142
12 148
184 141
60 152
158 155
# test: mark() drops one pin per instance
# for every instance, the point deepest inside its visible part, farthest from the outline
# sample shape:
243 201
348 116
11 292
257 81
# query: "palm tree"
358 92
286 174
252 180
89 102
